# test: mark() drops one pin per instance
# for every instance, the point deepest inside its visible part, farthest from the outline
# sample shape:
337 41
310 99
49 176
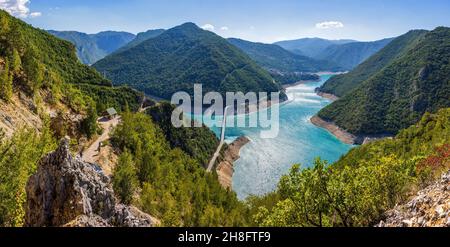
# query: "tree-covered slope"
350 55
42 79
199 143
182 56
310 47
141 37
41 54
110 41
363 184
341 84
274 57
93 47
416 82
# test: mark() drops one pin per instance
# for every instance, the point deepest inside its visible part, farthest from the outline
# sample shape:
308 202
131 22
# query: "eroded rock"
429 208
66 191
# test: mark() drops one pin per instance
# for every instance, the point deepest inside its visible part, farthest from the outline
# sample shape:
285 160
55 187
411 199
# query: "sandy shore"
225 168
329 96
341 134
345 136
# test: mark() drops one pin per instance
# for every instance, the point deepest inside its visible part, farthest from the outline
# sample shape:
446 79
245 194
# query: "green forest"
403 90
362 185
400 93
184 55
340 85
173 185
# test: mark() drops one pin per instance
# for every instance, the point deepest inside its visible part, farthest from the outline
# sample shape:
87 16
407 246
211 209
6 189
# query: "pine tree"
16 64
6 80
89 124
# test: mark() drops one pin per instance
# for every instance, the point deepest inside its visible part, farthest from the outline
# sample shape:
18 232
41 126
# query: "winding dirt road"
91 154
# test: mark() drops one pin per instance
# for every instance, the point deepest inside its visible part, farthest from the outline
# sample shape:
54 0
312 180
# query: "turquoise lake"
264 161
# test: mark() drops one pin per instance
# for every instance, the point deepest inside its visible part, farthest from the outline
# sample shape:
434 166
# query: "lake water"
264 161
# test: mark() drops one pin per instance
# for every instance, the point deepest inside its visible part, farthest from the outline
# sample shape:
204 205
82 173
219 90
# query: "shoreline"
225 169
335 130
345 136
330 73
286 86
329 96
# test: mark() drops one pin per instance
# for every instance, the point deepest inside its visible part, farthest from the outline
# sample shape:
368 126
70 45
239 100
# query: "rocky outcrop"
430 208
68 192
225 169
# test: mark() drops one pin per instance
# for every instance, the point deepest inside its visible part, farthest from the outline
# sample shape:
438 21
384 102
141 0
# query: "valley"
359 137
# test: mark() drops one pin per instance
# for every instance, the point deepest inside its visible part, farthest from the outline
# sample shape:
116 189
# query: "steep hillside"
199 143
55 89
273 57
182 56
310 47
141 37
46 93
93 47
350 55
400 93
110 41
365 183
341 84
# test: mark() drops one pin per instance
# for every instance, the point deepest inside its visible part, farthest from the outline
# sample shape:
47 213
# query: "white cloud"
35 14
224 28
208 27
329 24
18 8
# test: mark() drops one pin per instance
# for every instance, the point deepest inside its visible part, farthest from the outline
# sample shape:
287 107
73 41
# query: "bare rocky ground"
66 191
225 169
429 208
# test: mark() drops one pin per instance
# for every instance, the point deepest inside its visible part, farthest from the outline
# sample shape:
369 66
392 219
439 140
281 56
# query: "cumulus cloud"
224 28
329 24
208 27
18 8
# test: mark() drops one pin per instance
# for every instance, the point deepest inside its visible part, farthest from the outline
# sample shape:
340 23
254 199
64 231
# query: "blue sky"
256 20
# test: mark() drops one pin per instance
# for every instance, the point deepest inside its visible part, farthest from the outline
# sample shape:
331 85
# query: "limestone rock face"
68 192
429 208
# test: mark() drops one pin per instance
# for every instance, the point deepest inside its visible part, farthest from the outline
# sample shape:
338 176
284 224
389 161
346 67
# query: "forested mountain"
350 55
161 169
274 57
182 56
43 80
93 47
341 84
362 185
141 37
396 96
310 47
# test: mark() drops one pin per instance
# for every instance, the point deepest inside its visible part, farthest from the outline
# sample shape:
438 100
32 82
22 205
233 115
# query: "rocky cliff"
430 208
68 192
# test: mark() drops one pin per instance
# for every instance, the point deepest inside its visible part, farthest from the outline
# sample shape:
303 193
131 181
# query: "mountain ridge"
182 56
398 94
93 47
274 57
